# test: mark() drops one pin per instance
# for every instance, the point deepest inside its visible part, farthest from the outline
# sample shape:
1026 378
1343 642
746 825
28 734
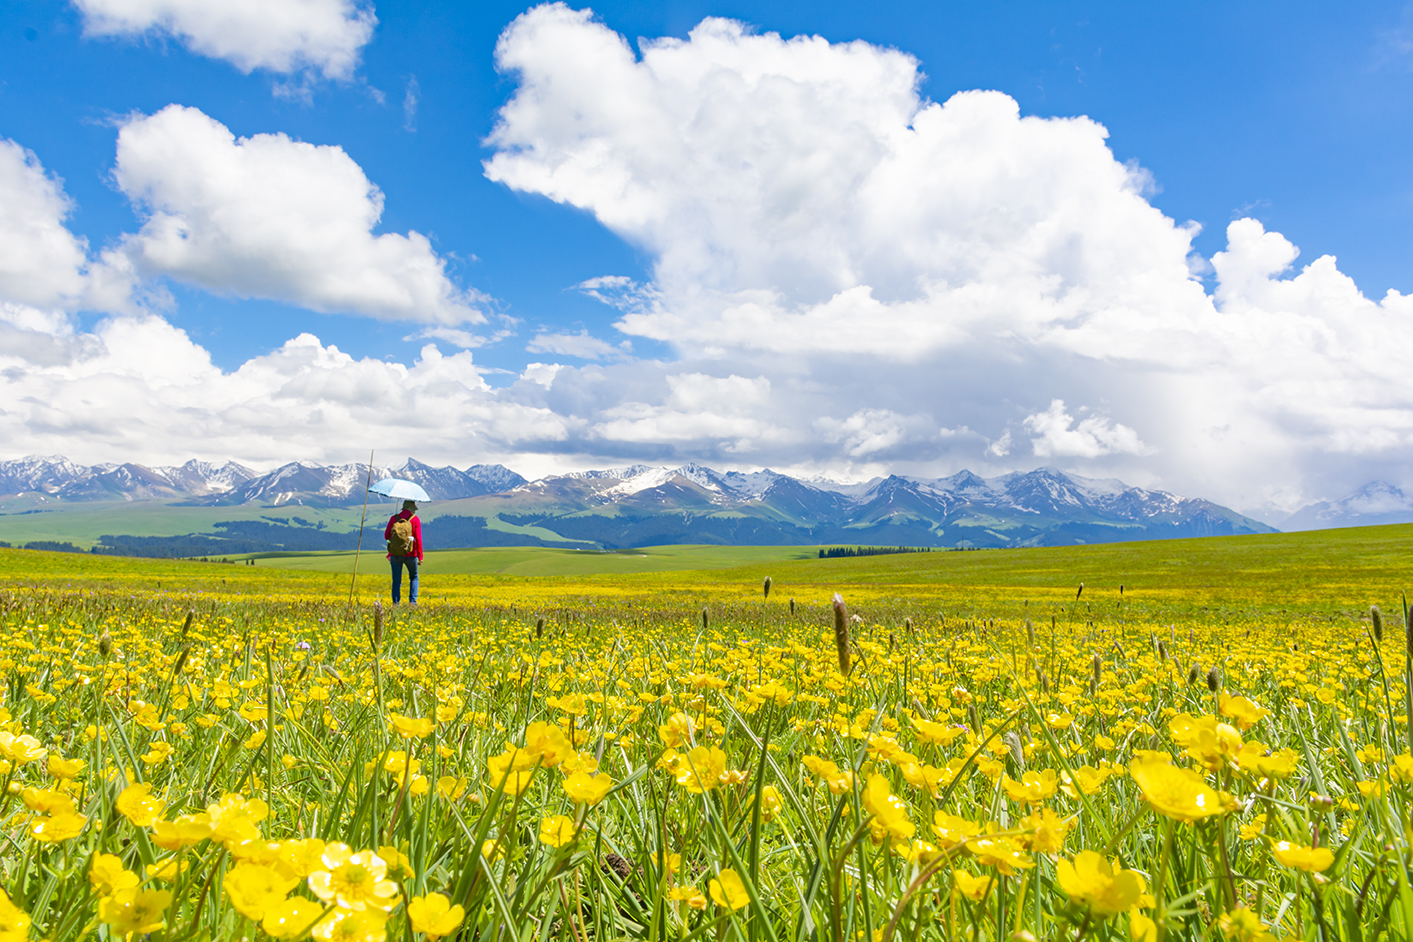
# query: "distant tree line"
845 552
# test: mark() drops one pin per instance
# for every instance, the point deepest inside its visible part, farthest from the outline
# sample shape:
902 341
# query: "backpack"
402 542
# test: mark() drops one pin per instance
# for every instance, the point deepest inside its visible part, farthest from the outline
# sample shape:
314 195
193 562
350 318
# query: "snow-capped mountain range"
644 504
299 482
1374 504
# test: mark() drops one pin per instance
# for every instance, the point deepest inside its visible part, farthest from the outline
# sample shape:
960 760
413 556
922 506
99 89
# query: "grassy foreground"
966 746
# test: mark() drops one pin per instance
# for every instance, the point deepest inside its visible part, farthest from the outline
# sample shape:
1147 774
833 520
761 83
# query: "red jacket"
416 530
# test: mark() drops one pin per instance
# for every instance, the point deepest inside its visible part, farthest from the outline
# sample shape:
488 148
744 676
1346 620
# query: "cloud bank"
852 278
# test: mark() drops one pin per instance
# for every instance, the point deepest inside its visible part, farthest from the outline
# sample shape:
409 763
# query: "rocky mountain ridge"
299 482
644 505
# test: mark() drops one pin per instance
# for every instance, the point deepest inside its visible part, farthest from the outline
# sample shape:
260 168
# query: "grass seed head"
841 633
706 620
1377 617
766 587
186 626
1193 671
539 628
1214 678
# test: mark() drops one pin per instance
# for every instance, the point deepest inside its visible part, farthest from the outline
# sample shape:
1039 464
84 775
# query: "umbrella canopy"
397 487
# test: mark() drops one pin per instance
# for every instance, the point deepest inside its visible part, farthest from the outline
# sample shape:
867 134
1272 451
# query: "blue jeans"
397 563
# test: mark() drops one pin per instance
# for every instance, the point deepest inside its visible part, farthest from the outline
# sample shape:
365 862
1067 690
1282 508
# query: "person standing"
404 536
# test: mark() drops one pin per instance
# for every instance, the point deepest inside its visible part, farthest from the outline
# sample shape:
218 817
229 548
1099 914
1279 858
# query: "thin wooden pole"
359 550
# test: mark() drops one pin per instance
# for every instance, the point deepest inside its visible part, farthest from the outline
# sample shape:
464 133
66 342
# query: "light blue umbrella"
397 487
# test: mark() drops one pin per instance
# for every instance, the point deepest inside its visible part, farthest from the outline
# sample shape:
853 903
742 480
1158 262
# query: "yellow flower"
411 727
157 752
1373 789
14 922
678 731
452 787
1242 925
233 819
57 827
137 805
255 889
492 850
21 749
1033 788
838 781
1181 794
952 830
1003 853
291 919
254 712
399 864
1086 780
299 857
345 925
1243 712
557 830
108 875
59 767
548 743
511 771
433 915
889 814
1141 928
728 890
926 777
1050 830
1091 880
770 803
1258 760
1254 828
256 740
939 733
584 789
701 769
1300 857
971 886
134 911
353 880
687 894
1210 742
187 830
46 800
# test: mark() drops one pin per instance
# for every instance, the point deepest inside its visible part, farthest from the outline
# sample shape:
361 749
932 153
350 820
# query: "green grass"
83 523
538 561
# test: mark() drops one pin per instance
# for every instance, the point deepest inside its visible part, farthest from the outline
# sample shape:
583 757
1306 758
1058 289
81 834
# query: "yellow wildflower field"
1139 743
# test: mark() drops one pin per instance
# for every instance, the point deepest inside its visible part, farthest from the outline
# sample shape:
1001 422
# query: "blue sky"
1294 116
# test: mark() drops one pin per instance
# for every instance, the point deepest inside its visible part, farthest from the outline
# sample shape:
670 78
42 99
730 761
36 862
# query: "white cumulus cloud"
270 217
42 263
283 36
812 218
1057 434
